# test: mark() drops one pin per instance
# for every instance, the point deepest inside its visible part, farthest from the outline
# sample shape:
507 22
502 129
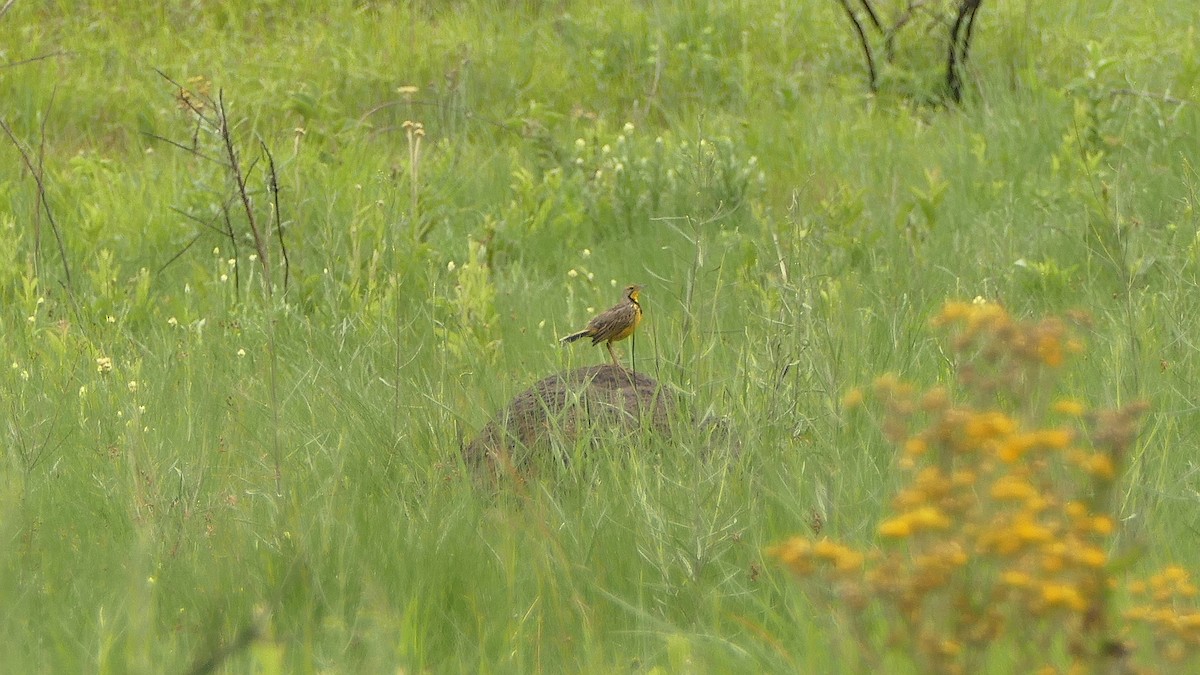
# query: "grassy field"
204 470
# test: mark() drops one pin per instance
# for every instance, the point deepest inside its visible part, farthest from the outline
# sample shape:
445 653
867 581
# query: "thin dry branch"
960 46
239 182
180 253
41 172
233 247
212 117
1152 95
273 188
191 150
35 59
864 43
208 224
910 12
213 661
197 110
872 15
202 222
35 169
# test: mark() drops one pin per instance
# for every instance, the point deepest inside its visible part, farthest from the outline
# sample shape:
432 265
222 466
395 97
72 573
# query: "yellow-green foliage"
473 305
999 546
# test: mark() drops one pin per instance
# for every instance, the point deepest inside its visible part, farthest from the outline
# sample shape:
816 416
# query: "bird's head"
633 291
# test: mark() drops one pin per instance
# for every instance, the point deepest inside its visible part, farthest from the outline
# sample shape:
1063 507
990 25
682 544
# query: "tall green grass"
794 235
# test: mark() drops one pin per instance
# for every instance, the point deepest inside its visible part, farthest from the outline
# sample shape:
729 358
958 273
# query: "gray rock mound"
597 402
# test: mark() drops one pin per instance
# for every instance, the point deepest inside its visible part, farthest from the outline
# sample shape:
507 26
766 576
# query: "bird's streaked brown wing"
611 322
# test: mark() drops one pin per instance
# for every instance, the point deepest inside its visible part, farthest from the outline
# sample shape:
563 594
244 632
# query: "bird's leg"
612 354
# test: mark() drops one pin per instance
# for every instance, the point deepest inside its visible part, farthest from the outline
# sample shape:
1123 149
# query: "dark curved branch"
866 46
37 171
273 188
872 15
960 46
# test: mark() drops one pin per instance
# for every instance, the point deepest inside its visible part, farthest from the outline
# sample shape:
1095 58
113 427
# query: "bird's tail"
575 336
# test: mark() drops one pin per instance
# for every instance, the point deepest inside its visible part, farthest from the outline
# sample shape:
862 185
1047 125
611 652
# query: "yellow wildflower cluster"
196 95
989 327
805 555
1165 608
998 543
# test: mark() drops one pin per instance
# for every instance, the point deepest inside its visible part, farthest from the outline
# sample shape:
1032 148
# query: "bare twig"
862 40
1153 96
180 252
239 183
237 274
213 661
199 112
39 179
960 46
273 188
191 150
889 40
873 16
35 59
203 223
212 116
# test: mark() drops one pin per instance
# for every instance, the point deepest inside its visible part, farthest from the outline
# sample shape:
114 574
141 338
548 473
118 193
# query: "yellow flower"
886 383
989 425
1050 350
1100 465
793 553
1090 556
896 528
953 311
1016 578
1163 616
1012 488
1063 595
843 557
1175 573
1068 407
1056 439
826 549
932 483
1015 446
1030 531
935 399
929 517
963 477
908 499
1189 621
915 447
852 399
1138 613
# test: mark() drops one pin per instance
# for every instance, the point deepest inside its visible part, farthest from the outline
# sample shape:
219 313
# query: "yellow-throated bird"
613 324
